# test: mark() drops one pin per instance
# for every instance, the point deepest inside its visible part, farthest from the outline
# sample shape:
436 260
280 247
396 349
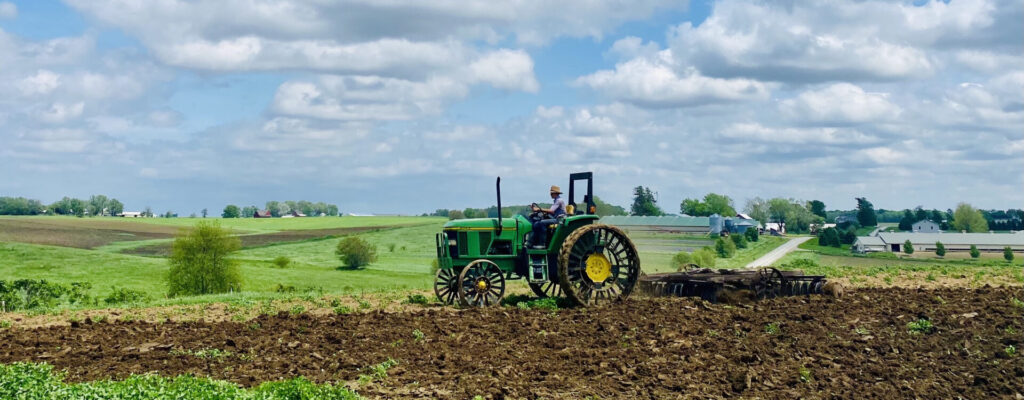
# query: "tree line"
279 208
95 205
509 211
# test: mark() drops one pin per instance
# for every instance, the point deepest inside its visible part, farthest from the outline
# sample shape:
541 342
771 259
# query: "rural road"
780 251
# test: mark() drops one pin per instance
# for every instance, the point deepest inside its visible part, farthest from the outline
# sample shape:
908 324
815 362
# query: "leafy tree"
752 235
725 248
201 261
829 237
681 260
644 202
204 213
230 211
606 209
704 257
974 252
20 206
355 252
147 212
920 214
96 204
866 212
471 213
908 247
456 214
274 207
907 222
817 207
967 218
332 210
115 207
694 207
848 236
713 204
757 208
249 211
1008 254
940 249
739 240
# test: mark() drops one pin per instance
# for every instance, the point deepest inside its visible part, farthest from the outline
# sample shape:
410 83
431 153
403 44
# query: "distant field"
79 233
286 224
874 272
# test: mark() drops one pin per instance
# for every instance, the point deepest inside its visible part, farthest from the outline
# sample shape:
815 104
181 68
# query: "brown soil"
857 346
263 239
82 234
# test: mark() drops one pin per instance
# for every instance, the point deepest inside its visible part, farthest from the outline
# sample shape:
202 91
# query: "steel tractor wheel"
446 286
769 284
546 289
598 264
481 284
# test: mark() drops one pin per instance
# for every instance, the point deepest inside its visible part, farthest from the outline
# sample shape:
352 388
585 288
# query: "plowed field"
857 346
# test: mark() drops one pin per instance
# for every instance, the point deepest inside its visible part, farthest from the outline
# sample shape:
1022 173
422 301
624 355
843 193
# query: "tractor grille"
485 242
463 247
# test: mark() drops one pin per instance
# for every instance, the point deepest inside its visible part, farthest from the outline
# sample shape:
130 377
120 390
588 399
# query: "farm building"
894 241
130 214
718 224
925 226
660 224
261 214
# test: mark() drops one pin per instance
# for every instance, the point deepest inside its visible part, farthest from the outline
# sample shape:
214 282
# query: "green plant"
200 261
908 247
1017 302
752 235
418 335
417 299
297 309
772 328
342 310
725 248
1010 350
255 326
391 248
680 260
376 373
4 324
805 374
861 331
704 257
921 326
281 261
739 240
940 249
974 252
1009 330
120 295
547 303
355 252
364 305
1008 254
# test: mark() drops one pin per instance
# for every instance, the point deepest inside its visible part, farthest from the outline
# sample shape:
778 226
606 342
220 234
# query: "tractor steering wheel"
537 214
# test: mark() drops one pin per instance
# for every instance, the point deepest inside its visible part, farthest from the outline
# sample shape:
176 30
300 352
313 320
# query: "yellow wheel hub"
481 285
598 267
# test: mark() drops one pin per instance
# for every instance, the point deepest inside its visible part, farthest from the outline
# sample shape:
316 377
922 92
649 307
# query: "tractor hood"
484 224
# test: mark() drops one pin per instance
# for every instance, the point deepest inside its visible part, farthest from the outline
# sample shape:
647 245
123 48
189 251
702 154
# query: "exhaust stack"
497 187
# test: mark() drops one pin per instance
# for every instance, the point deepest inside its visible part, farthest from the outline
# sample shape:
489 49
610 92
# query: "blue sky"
181 105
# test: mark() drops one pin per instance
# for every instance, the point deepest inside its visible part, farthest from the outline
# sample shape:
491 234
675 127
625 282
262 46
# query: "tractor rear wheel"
481 284
598 264
546 289
446 286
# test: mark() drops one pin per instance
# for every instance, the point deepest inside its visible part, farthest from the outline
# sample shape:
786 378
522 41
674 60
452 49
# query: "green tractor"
587 262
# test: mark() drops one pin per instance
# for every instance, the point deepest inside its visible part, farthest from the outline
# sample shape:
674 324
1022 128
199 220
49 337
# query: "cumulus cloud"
657 81
838 104
505 69
8 10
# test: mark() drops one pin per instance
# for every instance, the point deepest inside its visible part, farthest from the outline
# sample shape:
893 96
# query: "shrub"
356 252
27 294
282 261
200 261
940 249
1008 254
725 248
829 237
704 257
908 247
974 252
801 264
848 236
920 326
739 241
883 254
125 295
751 234
417 299
681 260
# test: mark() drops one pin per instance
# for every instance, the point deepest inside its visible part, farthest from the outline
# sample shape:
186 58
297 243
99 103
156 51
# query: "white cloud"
506 69
59 113
43 82
840 103
833 136
365 97
8 10
658 82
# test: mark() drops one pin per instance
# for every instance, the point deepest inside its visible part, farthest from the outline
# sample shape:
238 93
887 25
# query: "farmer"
540 225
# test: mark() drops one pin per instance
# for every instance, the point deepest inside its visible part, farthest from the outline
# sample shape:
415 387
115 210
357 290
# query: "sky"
392 106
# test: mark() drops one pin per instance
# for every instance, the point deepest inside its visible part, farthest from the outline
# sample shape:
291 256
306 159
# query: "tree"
920 214
704 257
681 260
204 213
1008 254
644 202
606 209
974 252
201 261
817 207
456 214
274 208
249 211
471 213
752 235
355 252
940 249
725 248
907 222
908 247
713 204
866 212
147 212
97 203
967 218
115 207
848 236
739 240
829 237
694 207
230 211
757 208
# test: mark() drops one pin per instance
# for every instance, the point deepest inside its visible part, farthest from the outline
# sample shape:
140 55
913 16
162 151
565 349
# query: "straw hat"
556 189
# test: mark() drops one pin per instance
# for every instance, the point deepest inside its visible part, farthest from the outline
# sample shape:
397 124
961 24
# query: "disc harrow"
730 285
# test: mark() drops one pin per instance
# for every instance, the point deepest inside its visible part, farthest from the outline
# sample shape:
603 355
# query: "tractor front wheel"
446 285
481 284
546 289
598 264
